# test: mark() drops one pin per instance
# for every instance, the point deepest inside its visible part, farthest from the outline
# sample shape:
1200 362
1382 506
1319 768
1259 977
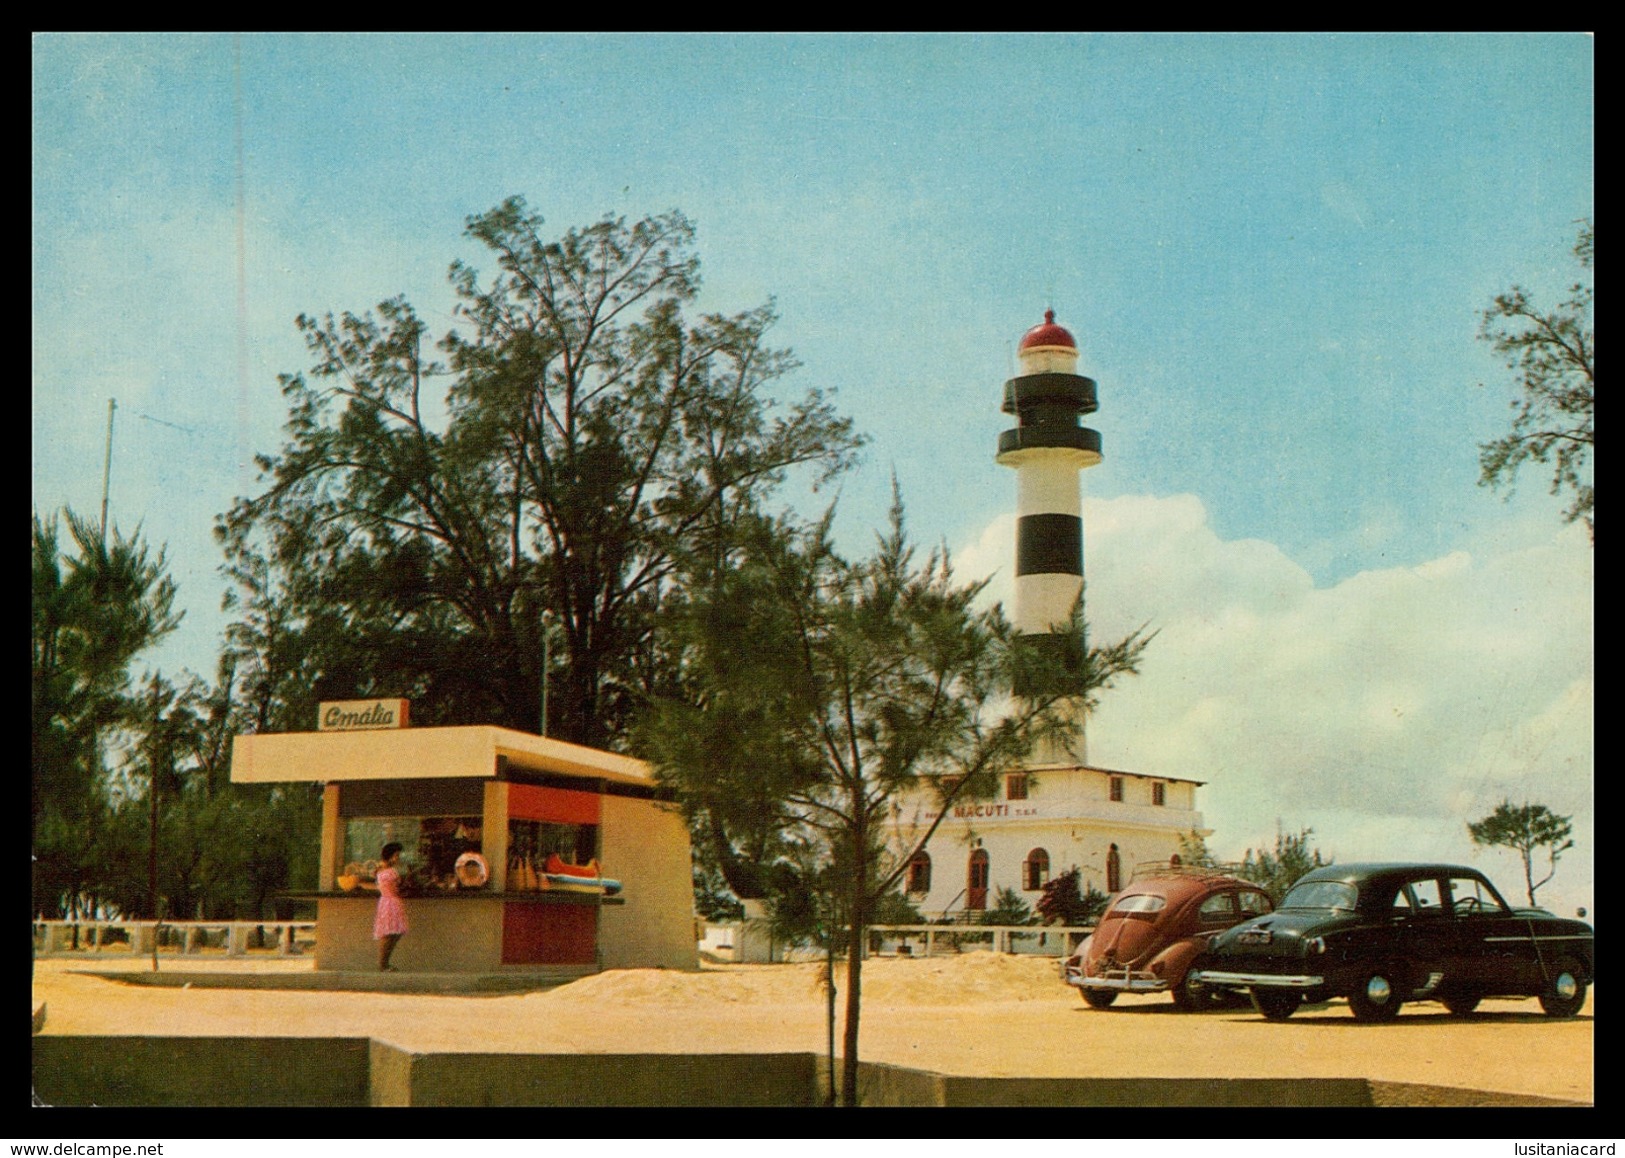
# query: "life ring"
472 870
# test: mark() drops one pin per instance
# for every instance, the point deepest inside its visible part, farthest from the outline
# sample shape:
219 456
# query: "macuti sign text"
362 715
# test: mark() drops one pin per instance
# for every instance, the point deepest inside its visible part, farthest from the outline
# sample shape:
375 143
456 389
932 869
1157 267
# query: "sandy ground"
974 1014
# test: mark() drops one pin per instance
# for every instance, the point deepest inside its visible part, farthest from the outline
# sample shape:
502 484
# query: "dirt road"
977 1014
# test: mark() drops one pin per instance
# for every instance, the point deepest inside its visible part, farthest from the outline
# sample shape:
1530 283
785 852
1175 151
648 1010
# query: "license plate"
1255 937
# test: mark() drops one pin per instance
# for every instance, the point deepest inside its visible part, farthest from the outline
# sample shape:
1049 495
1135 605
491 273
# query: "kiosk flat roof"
420 753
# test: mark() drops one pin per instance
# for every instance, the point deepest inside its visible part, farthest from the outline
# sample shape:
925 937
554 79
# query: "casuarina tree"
97 604
1277 871
827 692
446 515
1553 354
1525 828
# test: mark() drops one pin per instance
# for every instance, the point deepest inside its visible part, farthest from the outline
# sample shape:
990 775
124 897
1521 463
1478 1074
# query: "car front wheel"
1099 998
1461 1004
1376 997
1276 1004
1565 993
1193 998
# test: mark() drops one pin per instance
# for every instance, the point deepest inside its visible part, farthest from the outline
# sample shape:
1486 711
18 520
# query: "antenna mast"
107 466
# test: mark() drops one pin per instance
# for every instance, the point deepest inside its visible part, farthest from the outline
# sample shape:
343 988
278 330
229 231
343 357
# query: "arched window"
976 881
1114 870
1035 870
1174 861
919 872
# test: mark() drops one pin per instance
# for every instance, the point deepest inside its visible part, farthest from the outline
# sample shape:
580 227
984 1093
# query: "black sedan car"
1384 934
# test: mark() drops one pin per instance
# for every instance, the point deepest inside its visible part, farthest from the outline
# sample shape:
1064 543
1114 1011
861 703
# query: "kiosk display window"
532 842
431 845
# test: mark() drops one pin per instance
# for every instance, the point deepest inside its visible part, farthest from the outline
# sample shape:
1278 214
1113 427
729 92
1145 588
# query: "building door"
976 883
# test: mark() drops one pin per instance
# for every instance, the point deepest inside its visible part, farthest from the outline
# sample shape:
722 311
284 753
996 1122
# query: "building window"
976 881
1035 870
1159 793
919 873
1114 870
1015 786
1116 790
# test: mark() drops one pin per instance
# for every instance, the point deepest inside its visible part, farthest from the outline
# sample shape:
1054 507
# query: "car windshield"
1139 903
1320 895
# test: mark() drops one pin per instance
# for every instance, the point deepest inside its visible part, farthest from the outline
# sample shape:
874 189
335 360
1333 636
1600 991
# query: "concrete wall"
645 846
447 936
323 1072
881 1085
1159 1092
76 1070
701 1080
885 1085
391 1075
71 1070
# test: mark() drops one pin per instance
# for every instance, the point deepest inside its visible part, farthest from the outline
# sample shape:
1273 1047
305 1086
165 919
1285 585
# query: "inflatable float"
559 876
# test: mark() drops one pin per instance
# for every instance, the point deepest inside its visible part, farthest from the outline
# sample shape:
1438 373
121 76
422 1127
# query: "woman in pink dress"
390 921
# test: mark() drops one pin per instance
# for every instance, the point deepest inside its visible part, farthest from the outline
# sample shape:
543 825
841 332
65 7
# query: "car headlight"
1315 945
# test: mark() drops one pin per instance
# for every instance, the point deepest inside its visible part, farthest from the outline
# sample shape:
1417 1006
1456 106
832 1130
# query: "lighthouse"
1047 448
1072 815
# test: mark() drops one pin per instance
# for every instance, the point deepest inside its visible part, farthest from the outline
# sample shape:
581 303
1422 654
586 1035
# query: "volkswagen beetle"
1384 934
1154 929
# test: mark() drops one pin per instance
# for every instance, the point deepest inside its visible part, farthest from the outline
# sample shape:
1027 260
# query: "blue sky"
1272 251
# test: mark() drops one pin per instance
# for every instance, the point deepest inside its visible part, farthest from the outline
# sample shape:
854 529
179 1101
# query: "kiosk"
502 808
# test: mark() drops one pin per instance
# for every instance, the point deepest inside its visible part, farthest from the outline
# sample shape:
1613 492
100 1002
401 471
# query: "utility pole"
107 477
107 466
547 662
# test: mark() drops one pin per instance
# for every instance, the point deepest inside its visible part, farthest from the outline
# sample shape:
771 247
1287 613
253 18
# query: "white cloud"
1384 711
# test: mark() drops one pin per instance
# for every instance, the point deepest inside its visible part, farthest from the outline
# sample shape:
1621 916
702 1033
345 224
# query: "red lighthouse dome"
1048 334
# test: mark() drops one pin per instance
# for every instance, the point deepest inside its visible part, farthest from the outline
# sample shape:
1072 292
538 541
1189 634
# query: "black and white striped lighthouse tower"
1048 448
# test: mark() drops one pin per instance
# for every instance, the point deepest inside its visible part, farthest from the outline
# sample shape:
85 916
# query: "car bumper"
1258 980
1120 984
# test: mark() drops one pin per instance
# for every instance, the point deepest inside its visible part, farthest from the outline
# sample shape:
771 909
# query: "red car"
1154 929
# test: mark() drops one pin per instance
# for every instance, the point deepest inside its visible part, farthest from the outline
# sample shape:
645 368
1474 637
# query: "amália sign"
362 715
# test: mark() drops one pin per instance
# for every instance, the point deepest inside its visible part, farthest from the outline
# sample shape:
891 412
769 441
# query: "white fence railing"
748 941
1039 940
58 938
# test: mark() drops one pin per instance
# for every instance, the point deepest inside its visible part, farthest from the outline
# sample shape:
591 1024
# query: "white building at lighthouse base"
1043 821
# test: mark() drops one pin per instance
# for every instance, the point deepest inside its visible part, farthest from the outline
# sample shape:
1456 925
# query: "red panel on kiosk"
549 935
557 805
